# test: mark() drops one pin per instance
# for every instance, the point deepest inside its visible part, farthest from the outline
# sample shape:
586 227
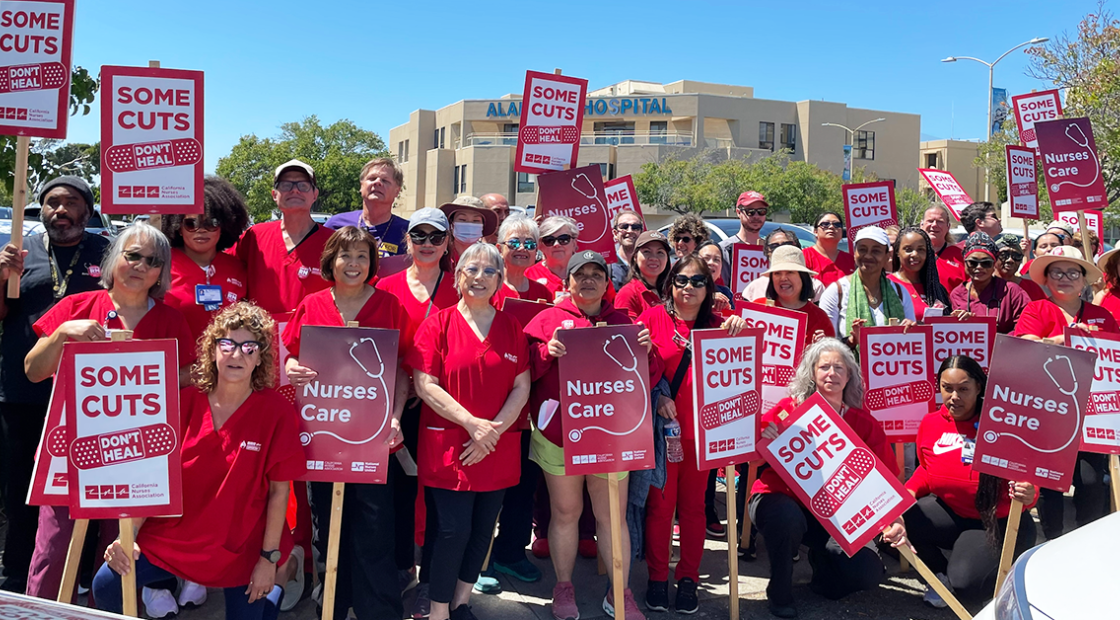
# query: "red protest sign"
151 140
523 309
747 264
835 474
551 122
782 344
1030 427
579 194
897 365
868 204
345 411
973 337
726 392
1093 219
48 479
1071 165
1022 184
19 607
35 42
122 421
1101 431
948 190
1032 108
604 401
622 195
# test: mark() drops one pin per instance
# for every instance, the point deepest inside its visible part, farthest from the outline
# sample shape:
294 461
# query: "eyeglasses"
434 237
697 281
985 263
827 225
550 240
517 244
193 224
133 258
682 239
228 345
752 212
1072 275
286 186
774 246
488 272
633 227
1010 257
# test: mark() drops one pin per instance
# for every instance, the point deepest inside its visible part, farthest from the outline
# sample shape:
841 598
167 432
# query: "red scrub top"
278 279
818 321
535 292
920 304
827 270
1033 290
381 311
417 310
950 268
226 474
1045 319
542 274
161 321
634 298
1111 302
479 375
225 271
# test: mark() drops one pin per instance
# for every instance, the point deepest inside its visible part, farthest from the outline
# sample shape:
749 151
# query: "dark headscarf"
980 242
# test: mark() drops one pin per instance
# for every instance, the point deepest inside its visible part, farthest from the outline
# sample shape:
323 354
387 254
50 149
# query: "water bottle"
674 451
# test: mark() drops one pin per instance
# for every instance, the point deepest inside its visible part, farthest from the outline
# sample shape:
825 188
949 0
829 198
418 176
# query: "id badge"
967 450
209 296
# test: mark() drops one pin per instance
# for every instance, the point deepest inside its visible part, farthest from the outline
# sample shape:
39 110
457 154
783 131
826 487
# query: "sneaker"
796 555
657 596
317 595
588 549
462 612
194 595
540 548
629 605
564 602
686 602
422 606
932 598
487 584
716 530
783 611
159 603
293 590
521 570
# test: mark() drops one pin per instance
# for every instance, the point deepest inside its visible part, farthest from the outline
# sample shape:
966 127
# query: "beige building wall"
955 157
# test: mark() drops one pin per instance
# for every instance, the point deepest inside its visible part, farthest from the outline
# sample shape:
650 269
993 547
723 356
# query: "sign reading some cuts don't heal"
35 43
551 122
783 341
1022 182
621 196
726 393
1101 430
869 204
747 264
897 364
947 188
1032 108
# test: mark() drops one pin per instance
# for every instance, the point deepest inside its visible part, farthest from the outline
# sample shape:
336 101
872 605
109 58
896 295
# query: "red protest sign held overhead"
1101 430
1036 401
621 196
35 42
897 365
868 204
726 392
151 140
833 472
345 411
1022 184
551 122
1071 165
580 195
1032 108
948 189
604 401
747 264
783 342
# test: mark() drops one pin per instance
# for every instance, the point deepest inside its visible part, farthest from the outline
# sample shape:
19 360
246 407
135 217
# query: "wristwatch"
272 556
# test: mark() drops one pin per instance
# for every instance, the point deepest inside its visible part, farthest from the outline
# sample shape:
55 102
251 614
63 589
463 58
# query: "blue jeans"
109 596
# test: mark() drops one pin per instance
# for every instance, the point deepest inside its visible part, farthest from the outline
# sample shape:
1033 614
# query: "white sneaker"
192 595
932 598
293 590
158 603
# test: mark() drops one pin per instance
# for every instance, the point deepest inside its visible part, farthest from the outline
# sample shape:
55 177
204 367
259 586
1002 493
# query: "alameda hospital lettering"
593 107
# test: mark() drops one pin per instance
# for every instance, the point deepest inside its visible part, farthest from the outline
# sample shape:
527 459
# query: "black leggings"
932 527
466 521
1090 496
516 529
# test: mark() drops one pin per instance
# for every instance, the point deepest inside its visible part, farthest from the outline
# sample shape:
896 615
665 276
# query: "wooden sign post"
732 545
73 558
935 583
1009 539
19 202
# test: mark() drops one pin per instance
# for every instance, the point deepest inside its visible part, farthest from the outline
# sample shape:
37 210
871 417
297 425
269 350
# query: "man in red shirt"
950 261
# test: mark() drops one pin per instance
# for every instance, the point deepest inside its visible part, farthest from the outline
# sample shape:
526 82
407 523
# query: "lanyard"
1080 314
59 286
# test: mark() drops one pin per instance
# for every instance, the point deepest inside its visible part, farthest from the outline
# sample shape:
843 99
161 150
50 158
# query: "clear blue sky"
268 63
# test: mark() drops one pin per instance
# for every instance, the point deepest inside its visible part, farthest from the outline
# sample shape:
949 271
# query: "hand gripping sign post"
34 87
1101 430
1030 427
580 195
846 487
151 140
782 344
869 204
622 195
748 263
897 365
727 406
551 122
1032 108
606 415
973 337
948 189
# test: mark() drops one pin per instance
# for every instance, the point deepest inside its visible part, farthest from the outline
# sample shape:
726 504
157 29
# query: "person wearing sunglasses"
1009 260
379 184
240 451
470 221
986 294
558 243
983 217
626 227
518 240
752 208
791 287
688 294
915 269
779 237
950 263
648 272
825 256
686 234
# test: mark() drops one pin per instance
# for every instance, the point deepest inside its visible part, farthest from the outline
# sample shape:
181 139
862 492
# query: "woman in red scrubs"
688 305
240 449
825 256
366 568
518 239
791 287
204 278
470 364
648 272
916 271
558 241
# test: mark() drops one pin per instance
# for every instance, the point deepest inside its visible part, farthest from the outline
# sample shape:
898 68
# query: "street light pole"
851 137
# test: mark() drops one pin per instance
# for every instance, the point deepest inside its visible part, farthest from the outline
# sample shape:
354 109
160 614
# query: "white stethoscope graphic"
577 433
593 194
305 437
1083 141
990 436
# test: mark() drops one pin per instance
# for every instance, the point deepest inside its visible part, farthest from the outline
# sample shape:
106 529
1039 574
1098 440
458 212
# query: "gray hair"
138 233
950 238
804 383
556 223
518 223
486 252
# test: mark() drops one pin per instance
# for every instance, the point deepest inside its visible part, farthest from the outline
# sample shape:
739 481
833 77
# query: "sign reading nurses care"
551 122
579 194
35 41
1071 165
727 396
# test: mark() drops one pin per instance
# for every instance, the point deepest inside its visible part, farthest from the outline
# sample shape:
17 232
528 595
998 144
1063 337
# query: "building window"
766 136
864 147
788 136
931 160
526 183
459 180
607 170
657 131
455 181
439 137
406 149
615 132
509 134
400 151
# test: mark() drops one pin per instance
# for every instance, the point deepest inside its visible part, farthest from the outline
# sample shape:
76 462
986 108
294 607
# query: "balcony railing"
589 138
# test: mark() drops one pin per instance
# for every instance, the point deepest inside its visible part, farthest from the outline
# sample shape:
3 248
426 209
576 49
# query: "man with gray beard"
62 261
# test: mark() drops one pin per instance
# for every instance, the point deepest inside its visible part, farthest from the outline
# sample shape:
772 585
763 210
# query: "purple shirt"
1002 299
390 234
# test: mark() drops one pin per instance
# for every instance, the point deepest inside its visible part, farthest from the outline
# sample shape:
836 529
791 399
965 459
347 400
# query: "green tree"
994 156
337 152
674 184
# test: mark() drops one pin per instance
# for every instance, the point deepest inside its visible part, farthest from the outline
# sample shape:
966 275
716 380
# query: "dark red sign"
551 122
523 309
726 390
35 43
1071 164
580 195
1101 431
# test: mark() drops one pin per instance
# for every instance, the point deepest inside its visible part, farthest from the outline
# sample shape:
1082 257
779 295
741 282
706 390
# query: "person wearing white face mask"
470 222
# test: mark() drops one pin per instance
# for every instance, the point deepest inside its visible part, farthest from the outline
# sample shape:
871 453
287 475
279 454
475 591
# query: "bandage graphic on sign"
374 368
554 135
123 446
42 76
727 411
583 185
783 375
991 436
151 155
905 394
577 433
57 442
843 482
1074 133
881 224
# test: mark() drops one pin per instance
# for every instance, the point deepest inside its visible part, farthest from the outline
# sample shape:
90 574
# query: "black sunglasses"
986 263
682 239
434 237
551 241
836 225
228 345
697 281
1011 257
633 227
753 212
774 246
135 257
193 224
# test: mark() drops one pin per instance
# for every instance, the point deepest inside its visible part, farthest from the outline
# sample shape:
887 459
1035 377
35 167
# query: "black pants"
367 572
466 521
22 425
972 565
516 527
710 514
1090 496
784 525
405 489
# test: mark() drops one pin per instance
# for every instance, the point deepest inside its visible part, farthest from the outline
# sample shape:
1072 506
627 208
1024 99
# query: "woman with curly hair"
915 268
687 233
240 451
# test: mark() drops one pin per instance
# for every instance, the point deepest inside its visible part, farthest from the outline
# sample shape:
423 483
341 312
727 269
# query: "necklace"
59 285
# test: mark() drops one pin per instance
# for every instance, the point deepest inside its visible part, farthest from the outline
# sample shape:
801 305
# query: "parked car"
98 224
6 228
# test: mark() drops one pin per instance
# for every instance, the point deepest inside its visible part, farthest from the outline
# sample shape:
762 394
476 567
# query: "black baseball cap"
579 259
